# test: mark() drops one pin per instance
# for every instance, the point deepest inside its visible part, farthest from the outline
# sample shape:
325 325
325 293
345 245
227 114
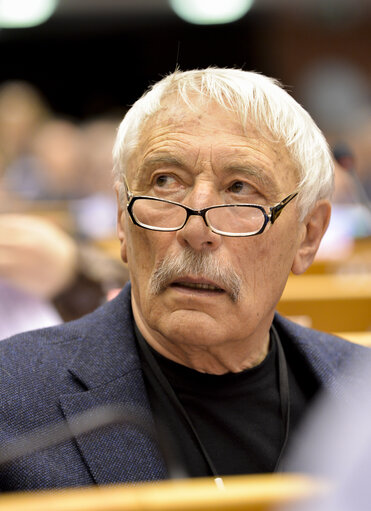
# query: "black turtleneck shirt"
237 416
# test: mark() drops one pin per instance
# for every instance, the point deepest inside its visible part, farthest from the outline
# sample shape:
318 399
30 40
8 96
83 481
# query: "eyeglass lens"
236 219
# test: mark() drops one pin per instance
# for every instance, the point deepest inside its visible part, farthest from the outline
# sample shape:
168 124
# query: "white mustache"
196 264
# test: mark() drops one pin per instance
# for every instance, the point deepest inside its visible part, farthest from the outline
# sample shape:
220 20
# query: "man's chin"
192 325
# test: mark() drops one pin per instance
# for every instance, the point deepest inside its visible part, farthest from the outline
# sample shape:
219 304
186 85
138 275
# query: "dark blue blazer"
50 375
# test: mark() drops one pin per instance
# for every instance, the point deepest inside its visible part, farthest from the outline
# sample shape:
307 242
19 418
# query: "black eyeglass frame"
274 213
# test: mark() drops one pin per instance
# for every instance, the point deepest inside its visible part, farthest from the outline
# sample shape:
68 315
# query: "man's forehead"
174 111
168 120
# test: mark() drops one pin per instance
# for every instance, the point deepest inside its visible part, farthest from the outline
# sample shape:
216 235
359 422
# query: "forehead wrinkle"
159 160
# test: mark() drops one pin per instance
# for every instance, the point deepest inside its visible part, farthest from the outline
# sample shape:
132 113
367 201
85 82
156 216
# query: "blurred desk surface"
248 493
334 303
328 287
363 338
358 261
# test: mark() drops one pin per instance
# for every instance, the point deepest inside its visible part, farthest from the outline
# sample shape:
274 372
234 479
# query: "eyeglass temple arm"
127 191
277 210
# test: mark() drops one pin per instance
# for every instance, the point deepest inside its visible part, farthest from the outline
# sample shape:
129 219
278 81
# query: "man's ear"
314 227
121 225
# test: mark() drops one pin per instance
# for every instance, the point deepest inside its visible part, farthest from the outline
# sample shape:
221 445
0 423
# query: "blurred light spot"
25 13
210 12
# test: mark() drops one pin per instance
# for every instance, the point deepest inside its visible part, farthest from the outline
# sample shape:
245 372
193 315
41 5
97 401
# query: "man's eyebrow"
159 160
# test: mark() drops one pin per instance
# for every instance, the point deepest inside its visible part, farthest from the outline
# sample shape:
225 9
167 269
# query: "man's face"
203 159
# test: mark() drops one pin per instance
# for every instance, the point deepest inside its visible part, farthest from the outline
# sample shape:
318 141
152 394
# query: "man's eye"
164 180
239 186
161 180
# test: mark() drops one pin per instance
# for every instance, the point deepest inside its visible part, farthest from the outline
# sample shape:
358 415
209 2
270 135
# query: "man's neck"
212 359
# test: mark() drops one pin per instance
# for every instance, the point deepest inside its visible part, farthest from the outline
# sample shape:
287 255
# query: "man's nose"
196 234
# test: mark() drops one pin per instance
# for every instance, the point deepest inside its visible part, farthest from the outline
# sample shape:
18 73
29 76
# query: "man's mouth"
195 275
201 286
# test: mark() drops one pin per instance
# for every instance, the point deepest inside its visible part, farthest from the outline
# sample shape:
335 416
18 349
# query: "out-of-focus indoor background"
67 77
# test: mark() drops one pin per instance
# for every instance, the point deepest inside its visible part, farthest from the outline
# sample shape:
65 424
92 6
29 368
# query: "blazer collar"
108 348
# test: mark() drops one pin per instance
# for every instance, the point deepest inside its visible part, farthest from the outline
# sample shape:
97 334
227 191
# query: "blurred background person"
57 153
23 110
95 210
351 213
46 277
37 262
337 92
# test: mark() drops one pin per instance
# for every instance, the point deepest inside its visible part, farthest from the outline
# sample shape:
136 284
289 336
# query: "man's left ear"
314 227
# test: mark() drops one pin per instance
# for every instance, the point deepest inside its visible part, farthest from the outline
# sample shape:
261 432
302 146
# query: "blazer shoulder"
47 351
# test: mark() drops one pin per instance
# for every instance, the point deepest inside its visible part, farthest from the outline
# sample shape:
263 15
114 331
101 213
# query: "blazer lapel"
108 372
125 452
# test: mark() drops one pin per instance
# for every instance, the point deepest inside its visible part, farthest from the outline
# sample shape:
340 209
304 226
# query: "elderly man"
223 183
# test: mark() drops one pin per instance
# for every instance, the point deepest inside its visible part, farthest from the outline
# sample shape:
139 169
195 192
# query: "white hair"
254 98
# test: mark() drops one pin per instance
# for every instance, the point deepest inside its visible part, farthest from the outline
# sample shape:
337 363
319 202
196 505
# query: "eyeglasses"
234 220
